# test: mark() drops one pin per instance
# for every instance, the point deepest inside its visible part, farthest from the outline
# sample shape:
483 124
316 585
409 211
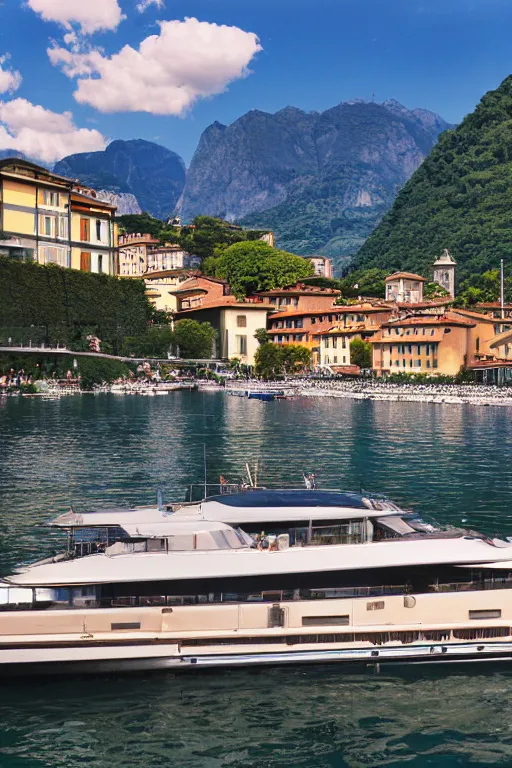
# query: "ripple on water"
452 462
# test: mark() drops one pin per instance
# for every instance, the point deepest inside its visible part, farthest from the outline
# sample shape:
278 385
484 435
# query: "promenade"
372 389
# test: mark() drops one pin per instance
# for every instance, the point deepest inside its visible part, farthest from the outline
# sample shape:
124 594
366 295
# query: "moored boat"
258 576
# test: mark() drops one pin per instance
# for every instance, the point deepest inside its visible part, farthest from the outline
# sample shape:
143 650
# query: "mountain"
150 173
460 198
321 181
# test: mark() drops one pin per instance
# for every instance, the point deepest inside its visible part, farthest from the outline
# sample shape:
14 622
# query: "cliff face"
151 174
458 199
320 181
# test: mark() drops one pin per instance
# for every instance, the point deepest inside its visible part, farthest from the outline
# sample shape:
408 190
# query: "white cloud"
90 15
186 61
10 80
40 133
145 4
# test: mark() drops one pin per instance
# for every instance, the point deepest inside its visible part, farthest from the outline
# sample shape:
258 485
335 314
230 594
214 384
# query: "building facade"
358 321
405 288
171 256
93 233
208 299
321 265
41 214
133 254
35 213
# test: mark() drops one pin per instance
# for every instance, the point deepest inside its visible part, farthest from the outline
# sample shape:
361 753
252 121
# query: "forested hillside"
460 198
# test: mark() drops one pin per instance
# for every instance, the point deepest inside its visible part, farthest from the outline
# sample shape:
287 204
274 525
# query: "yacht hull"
82 661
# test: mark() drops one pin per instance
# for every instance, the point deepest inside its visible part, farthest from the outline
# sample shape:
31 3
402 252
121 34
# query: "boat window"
317 621
490 613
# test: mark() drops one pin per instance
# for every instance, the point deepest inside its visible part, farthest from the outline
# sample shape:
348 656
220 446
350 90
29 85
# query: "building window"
63 227
326 342
296 302
100 263
289 324
50 197
434 363
335 359
418 363
344 359
98 230
299 323
334 342
477 345
279 339
54 255
241 321
85 229
47 225
313 321
428 363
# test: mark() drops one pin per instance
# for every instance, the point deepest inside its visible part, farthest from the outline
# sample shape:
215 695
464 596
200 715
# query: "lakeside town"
308 329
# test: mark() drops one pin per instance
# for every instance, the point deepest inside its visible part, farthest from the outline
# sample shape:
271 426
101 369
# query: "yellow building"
35 212
49 220
161 287
434 344
93 233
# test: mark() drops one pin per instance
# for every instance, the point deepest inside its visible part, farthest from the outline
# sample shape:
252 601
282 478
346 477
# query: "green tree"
97 370
361 353
295 358
193 339
262 336
484 287
268 361
155 342
143 223
434 291
364 282
255 266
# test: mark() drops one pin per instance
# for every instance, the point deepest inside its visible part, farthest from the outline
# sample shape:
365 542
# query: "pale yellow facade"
42 215
35 212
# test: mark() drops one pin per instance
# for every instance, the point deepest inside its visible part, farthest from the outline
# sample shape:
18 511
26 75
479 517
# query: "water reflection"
450 461
303 717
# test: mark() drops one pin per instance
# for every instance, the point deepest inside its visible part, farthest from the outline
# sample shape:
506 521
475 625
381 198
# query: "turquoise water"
452 462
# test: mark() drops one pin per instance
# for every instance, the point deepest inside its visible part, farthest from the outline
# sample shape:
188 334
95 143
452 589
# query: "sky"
76 74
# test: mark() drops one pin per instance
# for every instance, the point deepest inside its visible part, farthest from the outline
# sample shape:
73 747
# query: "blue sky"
442 55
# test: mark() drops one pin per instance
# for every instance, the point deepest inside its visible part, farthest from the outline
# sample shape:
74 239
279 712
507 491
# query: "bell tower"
444 272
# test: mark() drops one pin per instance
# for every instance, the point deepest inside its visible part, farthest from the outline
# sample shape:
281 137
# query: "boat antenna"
249 474
204 466
160 500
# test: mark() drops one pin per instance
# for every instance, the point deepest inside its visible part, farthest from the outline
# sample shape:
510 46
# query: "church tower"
444 272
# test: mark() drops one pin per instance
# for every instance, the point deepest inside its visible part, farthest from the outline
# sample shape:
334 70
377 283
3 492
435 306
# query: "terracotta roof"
497 363
227 302
424 304
476 315
300 289
366 307
406 276
428 320
159 273
379 338
304 313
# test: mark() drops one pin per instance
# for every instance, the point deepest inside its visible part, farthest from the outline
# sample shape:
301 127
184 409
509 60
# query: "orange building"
356 321
423 344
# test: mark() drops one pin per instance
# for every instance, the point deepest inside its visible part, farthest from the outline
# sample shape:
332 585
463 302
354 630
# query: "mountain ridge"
320 180
458 199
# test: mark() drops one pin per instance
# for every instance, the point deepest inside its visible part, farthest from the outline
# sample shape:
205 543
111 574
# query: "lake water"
451 462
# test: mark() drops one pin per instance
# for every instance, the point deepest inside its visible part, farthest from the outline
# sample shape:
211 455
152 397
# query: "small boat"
265 397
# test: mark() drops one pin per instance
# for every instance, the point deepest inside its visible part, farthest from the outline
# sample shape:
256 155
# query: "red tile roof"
405 276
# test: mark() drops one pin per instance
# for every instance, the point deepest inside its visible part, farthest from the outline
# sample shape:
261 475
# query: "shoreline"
458 394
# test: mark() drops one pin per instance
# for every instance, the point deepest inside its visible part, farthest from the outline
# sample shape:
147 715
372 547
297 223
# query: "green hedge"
51 304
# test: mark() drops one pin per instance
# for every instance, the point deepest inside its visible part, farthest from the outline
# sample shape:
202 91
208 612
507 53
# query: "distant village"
50 219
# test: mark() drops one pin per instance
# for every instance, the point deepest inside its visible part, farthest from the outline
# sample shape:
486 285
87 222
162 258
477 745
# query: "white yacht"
331 577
